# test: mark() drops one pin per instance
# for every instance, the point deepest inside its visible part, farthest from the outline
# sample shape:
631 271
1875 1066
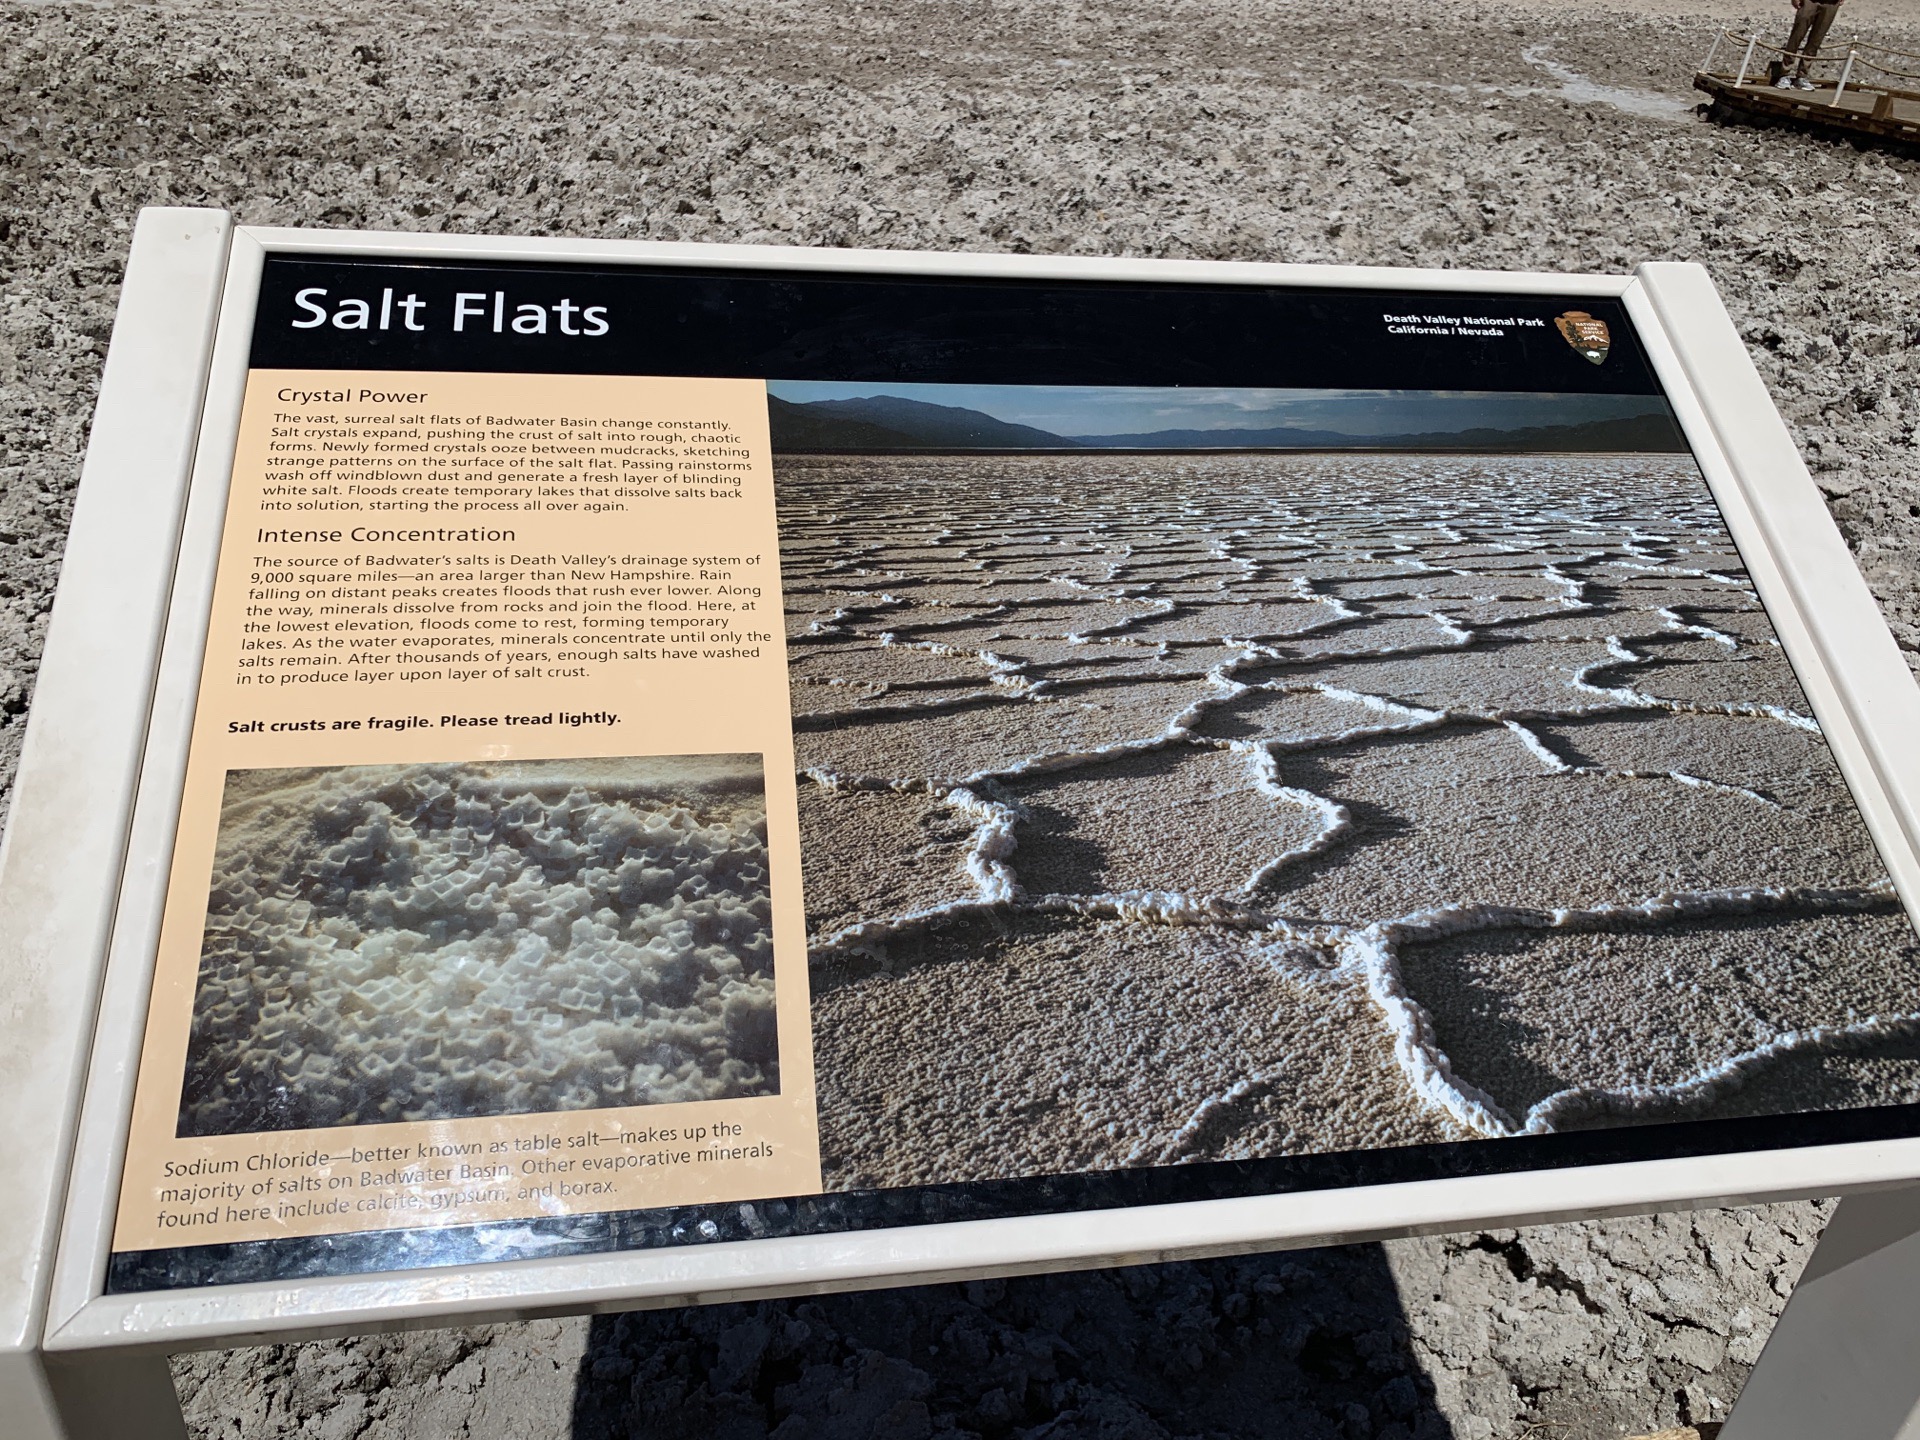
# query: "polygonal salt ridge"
1373 951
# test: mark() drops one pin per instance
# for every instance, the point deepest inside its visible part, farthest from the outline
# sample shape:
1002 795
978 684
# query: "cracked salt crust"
1348 729
1621 1015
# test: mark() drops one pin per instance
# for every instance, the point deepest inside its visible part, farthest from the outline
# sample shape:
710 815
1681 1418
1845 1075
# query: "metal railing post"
1846 74
1706 65
1747 63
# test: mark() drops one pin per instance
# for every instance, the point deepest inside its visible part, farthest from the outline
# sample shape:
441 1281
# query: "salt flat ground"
1519 135
1149 795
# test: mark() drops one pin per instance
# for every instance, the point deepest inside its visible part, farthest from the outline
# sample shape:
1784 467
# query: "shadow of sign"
1303 1344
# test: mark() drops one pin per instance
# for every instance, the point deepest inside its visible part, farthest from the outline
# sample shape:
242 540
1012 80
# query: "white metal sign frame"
84 869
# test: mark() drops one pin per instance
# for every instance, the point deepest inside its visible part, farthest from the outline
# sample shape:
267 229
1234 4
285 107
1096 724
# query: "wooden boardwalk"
1879 103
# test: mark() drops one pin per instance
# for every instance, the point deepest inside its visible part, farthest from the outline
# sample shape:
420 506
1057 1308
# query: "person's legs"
1818 19
1781 71
1802 22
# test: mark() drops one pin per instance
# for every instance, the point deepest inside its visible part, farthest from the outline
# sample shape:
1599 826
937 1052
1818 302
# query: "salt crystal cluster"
423 942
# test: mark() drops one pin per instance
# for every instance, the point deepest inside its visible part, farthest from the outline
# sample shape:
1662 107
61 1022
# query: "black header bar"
792 325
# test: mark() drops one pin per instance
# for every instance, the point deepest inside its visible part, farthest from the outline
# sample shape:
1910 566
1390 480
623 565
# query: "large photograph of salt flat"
436 941
1246 774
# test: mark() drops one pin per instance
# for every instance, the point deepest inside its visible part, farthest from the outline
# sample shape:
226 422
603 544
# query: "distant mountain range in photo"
887 424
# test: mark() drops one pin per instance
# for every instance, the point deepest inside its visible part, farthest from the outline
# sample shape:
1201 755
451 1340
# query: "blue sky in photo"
1128 410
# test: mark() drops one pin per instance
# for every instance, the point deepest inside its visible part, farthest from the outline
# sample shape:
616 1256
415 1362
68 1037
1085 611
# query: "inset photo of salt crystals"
438 941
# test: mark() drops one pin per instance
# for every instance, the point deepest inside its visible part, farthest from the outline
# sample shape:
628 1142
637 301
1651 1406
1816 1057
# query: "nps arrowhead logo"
1585 334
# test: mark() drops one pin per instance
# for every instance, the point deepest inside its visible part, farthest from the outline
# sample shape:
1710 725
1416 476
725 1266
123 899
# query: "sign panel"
686 755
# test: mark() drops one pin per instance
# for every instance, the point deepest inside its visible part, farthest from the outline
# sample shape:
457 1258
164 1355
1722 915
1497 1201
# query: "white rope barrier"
1856 57
1856 48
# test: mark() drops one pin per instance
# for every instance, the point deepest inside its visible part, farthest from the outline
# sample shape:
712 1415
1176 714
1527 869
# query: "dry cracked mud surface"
1526 135
1338 802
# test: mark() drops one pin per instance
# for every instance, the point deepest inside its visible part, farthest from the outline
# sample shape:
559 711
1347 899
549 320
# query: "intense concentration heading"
364 534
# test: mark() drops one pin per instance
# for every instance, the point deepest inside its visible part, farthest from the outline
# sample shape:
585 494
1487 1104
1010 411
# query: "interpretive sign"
674 748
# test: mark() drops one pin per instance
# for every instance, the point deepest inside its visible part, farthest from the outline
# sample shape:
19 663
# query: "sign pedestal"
92 1395
70 808
1844 1361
